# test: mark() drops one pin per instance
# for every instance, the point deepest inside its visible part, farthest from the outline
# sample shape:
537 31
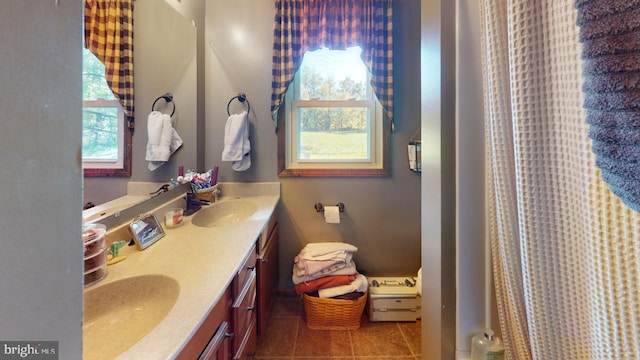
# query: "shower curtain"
565 250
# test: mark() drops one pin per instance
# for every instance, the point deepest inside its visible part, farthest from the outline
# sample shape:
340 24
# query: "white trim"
375 129
104 163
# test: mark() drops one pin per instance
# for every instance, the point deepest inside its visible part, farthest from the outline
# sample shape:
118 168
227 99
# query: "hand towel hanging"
163 139
236 142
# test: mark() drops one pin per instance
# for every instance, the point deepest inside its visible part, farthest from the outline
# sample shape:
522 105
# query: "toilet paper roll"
332 214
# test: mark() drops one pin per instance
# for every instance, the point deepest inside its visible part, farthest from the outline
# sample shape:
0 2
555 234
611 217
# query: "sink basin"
117 315
224 213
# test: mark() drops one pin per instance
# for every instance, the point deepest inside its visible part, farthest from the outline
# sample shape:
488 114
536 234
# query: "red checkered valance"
305 25
108 34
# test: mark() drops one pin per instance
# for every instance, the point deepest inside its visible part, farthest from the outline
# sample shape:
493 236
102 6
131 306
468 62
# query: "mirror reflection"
165 61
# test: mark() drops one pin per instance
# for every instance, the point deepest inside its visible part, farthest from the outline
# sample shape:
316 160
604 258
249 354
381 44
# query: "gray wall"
41 180
382 215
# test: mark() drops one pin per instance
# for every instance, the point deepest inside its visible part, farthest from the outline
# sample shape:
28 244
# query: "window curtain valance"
306 25
108 34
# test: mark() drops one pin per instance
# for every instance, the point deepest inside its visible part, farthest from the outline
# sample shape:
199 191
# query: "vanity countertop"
203 261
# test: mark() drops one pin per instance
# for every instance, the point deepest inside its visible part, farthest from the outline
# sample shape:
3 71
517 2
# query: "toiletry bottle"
485 346
214 176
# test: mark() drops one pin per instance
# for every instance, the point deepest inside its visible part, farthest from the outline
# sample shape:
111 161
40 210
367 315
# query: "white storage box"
393 299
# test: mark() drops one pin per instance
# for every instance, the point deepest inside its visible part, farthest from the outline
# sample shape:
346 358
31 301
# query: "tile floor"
288 338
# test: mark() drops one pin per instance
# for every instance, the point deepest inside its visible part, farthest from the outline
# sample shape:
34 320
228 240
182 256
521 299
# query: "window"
103 133
333 121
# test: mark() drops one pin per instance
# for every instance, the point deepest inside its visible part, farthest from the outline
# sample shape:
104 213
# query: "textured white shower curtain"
566 252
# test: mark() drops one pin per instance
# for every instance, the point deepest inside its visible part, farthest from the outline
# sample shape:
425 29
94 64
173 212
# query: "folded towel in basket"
325 250
358 285
299 277
324 282
309 267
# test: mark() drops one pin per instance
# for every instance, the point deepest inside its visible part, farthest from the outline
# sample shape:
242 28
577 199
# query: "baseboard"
463 355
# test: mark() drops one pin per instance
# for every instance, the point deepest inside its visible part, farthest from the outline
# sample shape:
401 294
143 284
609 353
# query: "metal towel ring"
168 98
242 98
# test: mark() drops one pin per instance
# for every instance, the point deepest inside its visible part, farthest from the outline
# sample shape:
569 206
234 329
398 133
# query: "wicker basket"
333 314
208 194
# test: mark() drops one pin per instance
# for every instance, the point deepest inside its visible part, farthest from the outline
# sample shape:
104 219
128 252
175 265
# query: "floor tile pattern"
288 338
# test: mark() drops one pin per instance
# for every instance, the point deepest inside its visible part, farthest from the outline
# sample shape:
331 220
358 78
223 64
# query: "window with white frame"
334 123
102 119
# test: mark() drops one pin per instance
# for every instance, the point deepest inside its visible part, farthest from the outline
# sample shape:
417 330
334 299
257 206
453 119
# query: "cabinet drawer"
205 333
247 269
244 313
247 349
218 347
409 303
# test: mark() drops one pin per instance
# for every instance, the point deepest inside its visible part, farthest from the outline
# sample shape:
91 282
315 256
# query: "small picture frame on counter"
146 230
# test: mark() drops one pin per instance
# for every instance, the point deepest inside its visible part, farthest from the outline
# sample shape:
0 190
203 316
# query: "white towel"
338 255
299 276
359 284
163 139
315 251
236 142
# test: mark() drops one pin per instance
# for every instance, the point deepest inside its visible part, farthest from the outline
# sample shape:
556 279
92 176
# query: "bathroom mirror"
165 60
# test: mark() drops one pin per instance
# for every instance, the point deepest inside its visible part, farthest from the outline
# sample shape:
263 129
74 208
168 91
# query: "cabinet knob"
228 335
251 267
265 260
250 308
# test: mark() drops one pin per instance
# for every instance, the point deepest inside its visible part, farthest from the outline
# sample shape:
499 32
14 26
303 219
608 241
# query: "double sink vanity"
204 290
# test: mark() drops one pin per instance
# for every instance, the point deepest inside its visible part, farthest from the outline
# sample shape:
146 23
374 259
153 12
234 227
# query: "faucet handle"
192 204
193 201
163 188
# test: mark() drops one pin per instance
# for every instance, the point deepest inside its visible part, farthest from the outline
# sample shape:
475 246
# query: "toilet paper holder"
320 208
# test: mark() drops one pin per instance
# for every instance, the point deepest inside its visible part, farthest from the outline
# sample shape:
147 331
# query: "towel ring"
242 98
168 98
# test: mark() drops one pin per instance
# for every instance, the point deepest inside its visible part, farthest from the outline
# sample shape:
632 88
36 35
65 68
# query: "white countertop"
203 261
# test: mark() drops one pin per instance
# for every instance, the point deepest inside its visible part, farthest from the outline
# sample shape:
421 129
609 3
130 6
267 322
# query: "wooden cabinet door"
247 349
267 280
